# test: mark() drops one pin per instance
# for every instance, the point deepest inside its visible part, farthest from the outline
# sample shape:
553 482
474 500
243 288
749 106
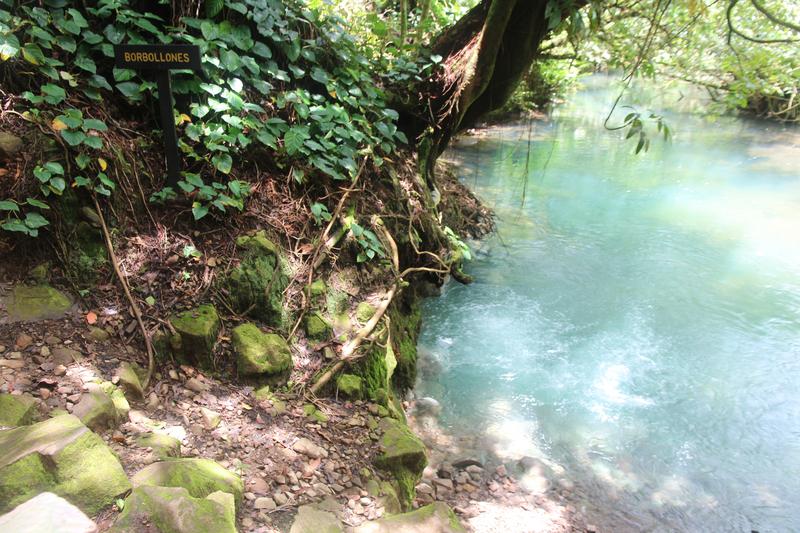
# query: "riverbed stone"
200 477
260 353
311 519
403 455
46 512
434 518
16 409
350 386
96 408
63 456
31 303
197 331
174 510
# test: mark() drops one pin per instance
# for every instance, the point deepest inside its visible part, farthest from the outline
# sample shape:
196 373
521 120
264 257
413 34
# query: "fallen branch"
134 306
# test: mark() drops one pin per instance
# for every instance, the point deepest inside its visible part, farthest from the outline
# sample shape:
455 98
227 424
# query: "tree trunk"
485 55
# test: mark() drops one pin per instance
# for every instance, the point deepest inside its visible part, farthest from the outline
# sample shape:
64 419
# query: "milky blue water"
634 323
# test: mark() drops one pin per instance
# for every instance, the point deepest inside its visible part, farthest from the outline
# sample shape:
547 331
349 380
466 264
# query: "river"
634 321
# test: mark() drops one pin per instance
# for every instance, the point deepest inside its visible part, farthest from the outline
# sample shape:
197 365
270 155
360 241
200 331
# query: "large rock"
257 284
310 519
197 334
62 456
260 353
46 512
174 510
38 302
200 477
403 455
16 410
434 518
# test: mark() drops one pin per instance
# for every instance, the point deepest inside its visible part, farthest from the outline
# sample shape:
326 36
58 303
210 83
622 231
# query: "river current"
634 322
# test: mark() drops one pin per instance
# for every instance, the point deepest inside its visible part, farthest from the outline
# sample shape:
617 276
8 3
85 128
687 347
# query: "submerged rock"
434 518
350 386
260 353
403 455
310 519
197 334
175 510
200 477
38 302
62 456
46 513
16 410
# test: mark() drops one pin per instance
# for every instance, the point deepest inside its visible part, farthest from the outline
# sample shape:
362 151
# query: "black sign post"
160 59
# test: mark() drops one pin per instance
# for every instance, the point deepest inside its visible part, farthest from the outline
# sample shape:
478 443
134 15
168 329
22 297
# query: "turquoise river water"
634 322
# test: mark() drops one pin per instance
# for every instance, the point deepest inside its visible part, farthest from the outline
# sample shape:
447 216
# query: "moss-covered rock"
129 380
163 446
200 477
376 370
96 408
317 327
365 311
260 353
197 331
16 410
256 285
317 288
405 323
350 386
38 302
311 411
311 519
174 510
97 334
62 456
385 493
434 518
403 455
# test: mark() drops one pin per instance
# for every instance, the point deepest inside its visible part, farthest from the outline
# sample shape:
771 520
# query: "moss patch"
403 455
174 510
350 386
365 311
62 456
197 334
256 285
317 328
260 353
200 477
406 317
16 410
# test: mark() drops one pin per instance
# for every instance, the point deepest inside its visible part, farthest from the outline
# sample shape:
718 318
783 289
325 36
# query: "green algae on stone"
62 456
317 328
311 411
260 353
197 334
403 455
365 311
16 410
38 302
434 518
163 446
200 477
350 386
256 285
175 510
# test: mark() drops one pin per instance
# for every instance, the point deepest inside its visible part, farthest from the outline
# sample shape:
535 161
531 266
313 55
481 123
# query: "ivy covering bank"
281 85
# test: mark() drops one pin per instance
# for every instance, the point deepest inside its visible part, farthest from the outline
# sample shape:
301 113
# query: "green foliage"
370 246
279 79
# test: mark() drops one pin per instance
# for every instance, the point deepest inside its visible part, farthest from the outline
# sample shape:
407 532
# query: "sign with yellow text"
157 56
